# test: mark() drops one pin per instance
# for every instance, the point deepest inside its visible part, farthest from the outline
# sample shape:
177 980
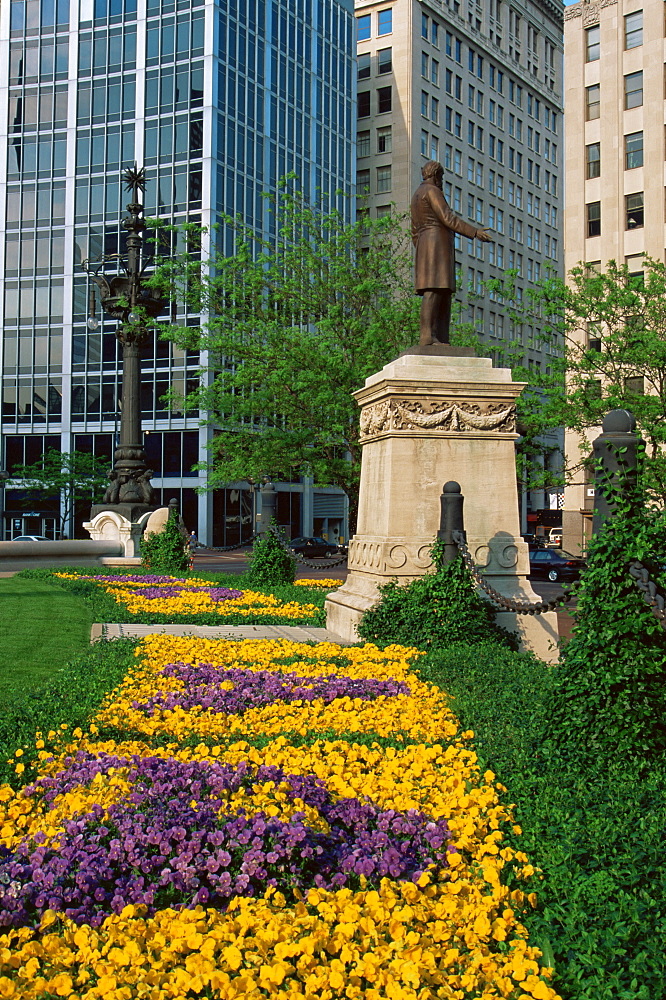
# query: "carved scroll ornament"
406 415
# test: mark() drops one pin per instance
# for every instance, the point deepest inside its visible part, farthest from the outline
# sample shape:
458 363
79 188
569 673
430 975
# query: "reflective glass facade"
218 100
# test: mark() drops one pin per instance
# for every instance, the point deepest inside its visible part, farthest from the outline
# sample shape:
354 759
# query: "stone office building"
476 84
614 71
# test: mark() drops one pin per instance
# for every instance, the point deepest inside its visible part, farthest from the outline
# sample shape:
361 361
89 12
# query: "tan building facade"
476 85
615 207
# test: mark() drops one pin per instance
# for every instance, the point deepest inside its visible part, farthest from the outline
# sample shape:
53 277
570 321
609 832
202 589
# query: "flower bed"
172 599
264 818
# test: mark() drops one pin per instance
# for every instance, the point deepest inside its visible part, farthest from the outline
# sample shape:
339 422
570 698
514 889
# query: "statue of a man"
433 228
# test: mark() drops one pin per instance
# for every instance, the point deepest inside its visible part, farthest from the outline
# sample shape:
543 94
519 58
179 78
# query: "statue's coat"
433 228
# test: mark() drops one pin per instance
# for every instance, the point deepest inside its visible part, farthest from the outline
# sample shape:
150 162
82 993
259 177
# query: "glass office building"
218 100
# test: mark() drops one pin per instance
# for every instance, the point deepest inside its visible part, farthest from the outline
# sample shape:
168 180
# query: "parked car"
31 538
555 564
314 546
554 538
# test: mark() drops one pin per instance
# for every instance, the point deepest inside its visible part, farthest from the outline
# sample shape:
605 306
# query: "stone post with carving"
434 414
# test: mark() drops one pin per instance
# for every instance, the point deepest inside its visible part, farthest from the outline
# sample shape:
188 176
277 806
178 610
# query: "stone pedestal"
426 420
125 523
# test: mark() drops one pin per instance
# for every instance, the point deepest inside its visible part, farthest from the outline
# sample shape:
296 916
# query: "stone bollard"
616 462
451 519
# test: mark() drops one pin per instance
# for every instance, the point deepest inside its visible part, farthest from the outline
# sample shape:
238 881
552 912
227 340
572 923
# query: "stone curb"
295 633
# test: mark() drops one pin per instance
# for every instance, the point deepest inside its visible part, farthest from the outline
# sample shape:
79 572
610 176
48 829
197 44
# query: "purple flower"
253 688
174 839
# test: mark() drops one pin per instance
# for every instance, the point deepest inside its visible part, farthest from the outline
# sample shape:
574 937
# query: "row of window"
383 144
384 102
633 35
383 60
383 24
634 214
534 173
633 154
633 95
382 180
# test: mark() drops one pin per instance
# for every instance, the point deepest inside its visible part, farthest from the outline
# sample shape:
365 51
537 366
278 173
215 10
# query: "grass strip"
41 627
71 696
597 835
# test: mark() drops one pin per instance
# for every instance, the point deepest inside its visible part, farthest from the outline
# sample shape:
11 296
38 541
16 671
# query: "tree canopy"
294 325
68 479
606 332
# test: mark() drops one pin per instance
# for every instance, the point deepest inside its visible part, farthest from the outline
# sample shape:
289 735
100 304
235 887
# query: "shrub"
269 562
610 694
596 833
434 610
166 553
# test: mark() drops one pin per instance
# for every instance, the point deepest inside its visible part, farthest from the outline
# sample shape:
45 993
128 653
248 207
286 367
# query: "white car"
31 538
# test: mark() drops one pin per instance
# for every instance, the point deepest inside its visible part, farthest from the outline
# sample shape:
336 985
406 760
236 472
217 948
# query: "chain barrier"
649 591
507 603
285 545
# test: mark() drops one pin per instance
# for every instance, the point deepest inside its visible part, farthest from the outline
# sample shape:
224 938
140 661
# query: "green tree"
607 335
296 324
67 479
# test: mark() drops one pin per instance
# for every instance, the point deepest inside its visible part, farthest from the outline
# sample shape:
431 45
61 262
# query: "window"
633 90
363 27
424 25
384 139
593 212
385 61
385 21
364 104
592 40
635 212
424 103
425 65
364 66
434 147
424 143
633 29
592 102
434 109
363 144
362 181
633 150
635 384
383 211
593 160
434 72
384 99
383 179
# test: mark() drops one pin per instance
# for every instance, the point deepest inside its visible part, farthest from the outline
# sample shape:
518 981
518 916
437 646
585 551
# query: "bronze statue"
433 228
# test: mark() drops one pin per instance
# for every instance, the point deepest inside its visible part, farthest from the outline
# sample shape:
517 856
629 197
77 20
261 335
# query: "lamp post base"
124 523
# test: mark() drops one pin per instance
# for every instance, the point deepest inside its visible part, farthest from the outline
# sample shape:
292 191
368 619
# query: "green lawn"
41 627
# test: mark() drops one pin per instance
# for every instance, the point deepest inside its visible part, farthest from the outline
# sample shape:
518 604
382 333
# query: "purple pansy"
175 841
215 593
254 688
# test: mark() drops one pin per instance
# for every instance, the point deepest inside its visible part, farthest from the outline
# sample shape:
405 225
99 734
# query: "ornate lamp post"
125 298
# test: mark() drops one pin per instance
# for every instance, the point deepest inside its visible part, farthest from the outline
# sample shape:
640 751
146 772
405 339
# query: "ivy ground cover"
193 600
263 818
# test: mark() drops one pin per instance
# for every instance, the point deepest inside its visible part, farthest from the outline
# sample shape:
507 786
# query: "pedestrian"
192 542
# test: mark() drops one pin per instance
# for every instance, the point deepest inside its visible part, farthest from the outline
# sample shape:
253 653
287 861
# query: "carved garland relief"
407 415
